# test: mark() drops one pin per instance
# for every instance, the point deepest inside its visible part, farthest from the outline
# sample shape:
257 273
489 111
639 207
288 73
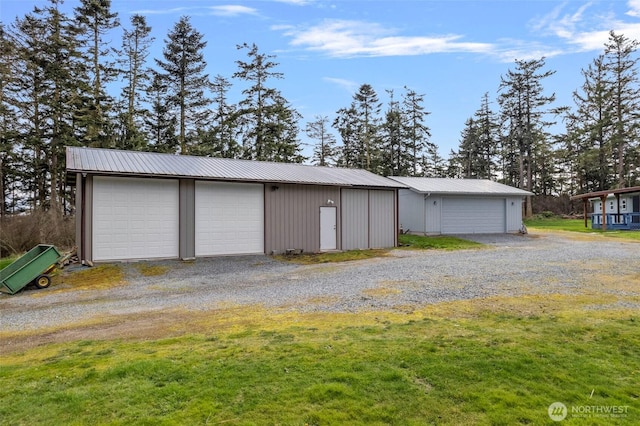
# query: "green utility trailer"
33 266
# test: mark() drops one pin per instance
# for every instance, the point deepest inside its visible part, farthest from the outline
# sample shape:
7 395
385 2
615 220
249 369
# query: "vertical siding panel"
293 216
355 214
382 219
412 213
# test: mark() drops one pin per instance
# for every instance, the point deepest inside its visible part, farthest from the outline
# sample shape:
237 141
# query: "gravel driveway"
510 265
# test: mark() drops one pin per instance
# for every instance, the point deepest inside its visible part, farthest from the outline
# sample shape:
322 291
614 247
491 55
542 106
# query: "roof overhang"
605 194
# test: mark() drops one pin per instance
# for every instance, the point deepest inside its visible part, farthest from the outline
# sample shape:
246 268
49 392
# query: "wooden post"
584 209
603 198
618 206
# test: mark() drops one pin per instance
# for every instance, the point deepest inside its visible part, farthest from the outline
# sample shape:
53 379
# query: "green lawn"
576 225
454 364
441 242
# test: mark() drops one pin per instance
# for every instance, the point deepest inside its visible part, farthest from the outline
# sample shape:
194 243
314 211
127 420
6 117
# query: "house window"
623 204
610 206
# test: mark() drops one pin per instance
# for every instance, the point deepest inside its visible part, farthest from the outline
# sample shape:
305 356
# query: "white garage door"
473 215
135 218
229 218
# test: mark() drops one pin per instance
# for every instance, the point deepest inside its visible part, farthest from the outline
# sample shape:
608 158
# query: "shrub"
20 233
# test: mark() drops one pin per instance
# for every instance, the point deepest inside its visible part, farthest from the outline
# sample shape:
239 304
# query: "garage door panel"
229 218
473 215
135 218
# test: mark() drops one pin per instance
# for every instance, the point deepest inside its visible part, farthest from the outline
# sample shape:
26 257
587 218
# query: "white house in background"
459 206
613 209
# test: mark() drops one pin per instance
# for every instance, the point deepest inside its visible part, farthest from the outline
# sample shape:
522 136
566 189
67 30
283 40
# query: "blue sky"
451 51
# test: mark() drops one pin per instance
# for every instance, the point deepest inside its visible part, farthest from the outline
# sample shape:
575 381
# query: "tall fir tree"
268 122
621 63
95 20
324 150
136 45
183 72
524 107
416 136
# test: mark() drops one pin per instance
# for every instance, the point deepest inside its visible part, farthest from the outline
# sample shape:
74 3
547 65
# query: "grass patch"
461 363
6 261
577 225
440 242
94 278
148 270
342 256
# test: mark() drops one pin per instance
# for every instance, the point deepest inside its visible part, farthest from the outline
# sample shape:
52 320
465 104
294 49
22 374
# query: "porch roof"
601 194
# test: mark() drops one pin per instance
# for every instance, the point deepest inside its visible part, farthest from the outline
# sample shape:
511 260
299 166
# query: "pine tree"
416 136
394 156
325 148
347 124
8 125
621 65
220 139
161 123
183 74
136 43
269 123
368 107
95 20
487 138
524 107
590 127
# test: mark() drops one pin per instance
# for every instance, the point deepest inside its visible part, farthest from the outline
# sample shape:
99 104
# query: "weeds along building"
139 205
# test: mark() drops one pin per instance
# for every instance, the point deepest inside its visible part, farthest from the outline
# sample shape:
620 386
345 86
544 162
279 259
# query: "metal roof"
458 186
609 192
136 163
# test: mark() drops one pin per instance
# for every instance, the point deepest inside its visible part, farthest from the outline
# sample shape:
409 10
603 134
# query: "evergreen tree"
348 126
8 125
95 20
590 128
183 74
367 107
269 123
220 139
161 123
325 149
524 107
416 136
136 43
395 161
487 138
621 65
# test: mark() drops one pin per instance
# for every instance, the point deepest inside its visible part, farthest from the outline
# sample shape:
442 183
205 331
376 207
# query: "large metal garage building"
459 206
140 205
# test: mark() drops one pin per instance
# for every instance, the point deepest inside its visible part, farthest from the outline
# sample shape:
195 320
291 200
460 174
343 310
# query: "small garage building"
459 206
140 205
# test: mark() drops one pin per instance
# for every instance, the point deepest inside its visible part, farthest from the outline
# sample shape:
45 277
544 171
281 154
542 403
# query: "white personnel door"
328 235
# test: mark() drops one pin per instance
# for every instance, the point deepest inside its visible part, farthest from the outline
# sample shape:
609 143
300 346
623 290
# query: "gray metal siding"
514 214
355 219
382 219
411 210
292 216
187 219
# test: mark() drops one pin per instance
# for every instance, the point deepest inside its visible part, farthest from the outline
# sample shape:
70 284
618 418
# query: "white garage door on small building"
473 215
135 218
229 218
459 206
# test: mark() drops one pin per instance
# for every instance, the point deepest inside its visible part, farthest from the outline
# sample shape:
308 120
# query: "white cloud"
634 8
171 11
342 38
348 85
232 10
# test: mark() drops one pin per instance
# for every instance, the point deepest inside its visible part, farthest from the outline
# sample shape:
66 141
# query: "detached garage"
140 205
459 206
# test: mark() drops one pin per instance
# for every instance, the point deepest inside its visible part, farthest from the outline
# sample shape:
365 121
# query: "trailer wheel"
43 281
